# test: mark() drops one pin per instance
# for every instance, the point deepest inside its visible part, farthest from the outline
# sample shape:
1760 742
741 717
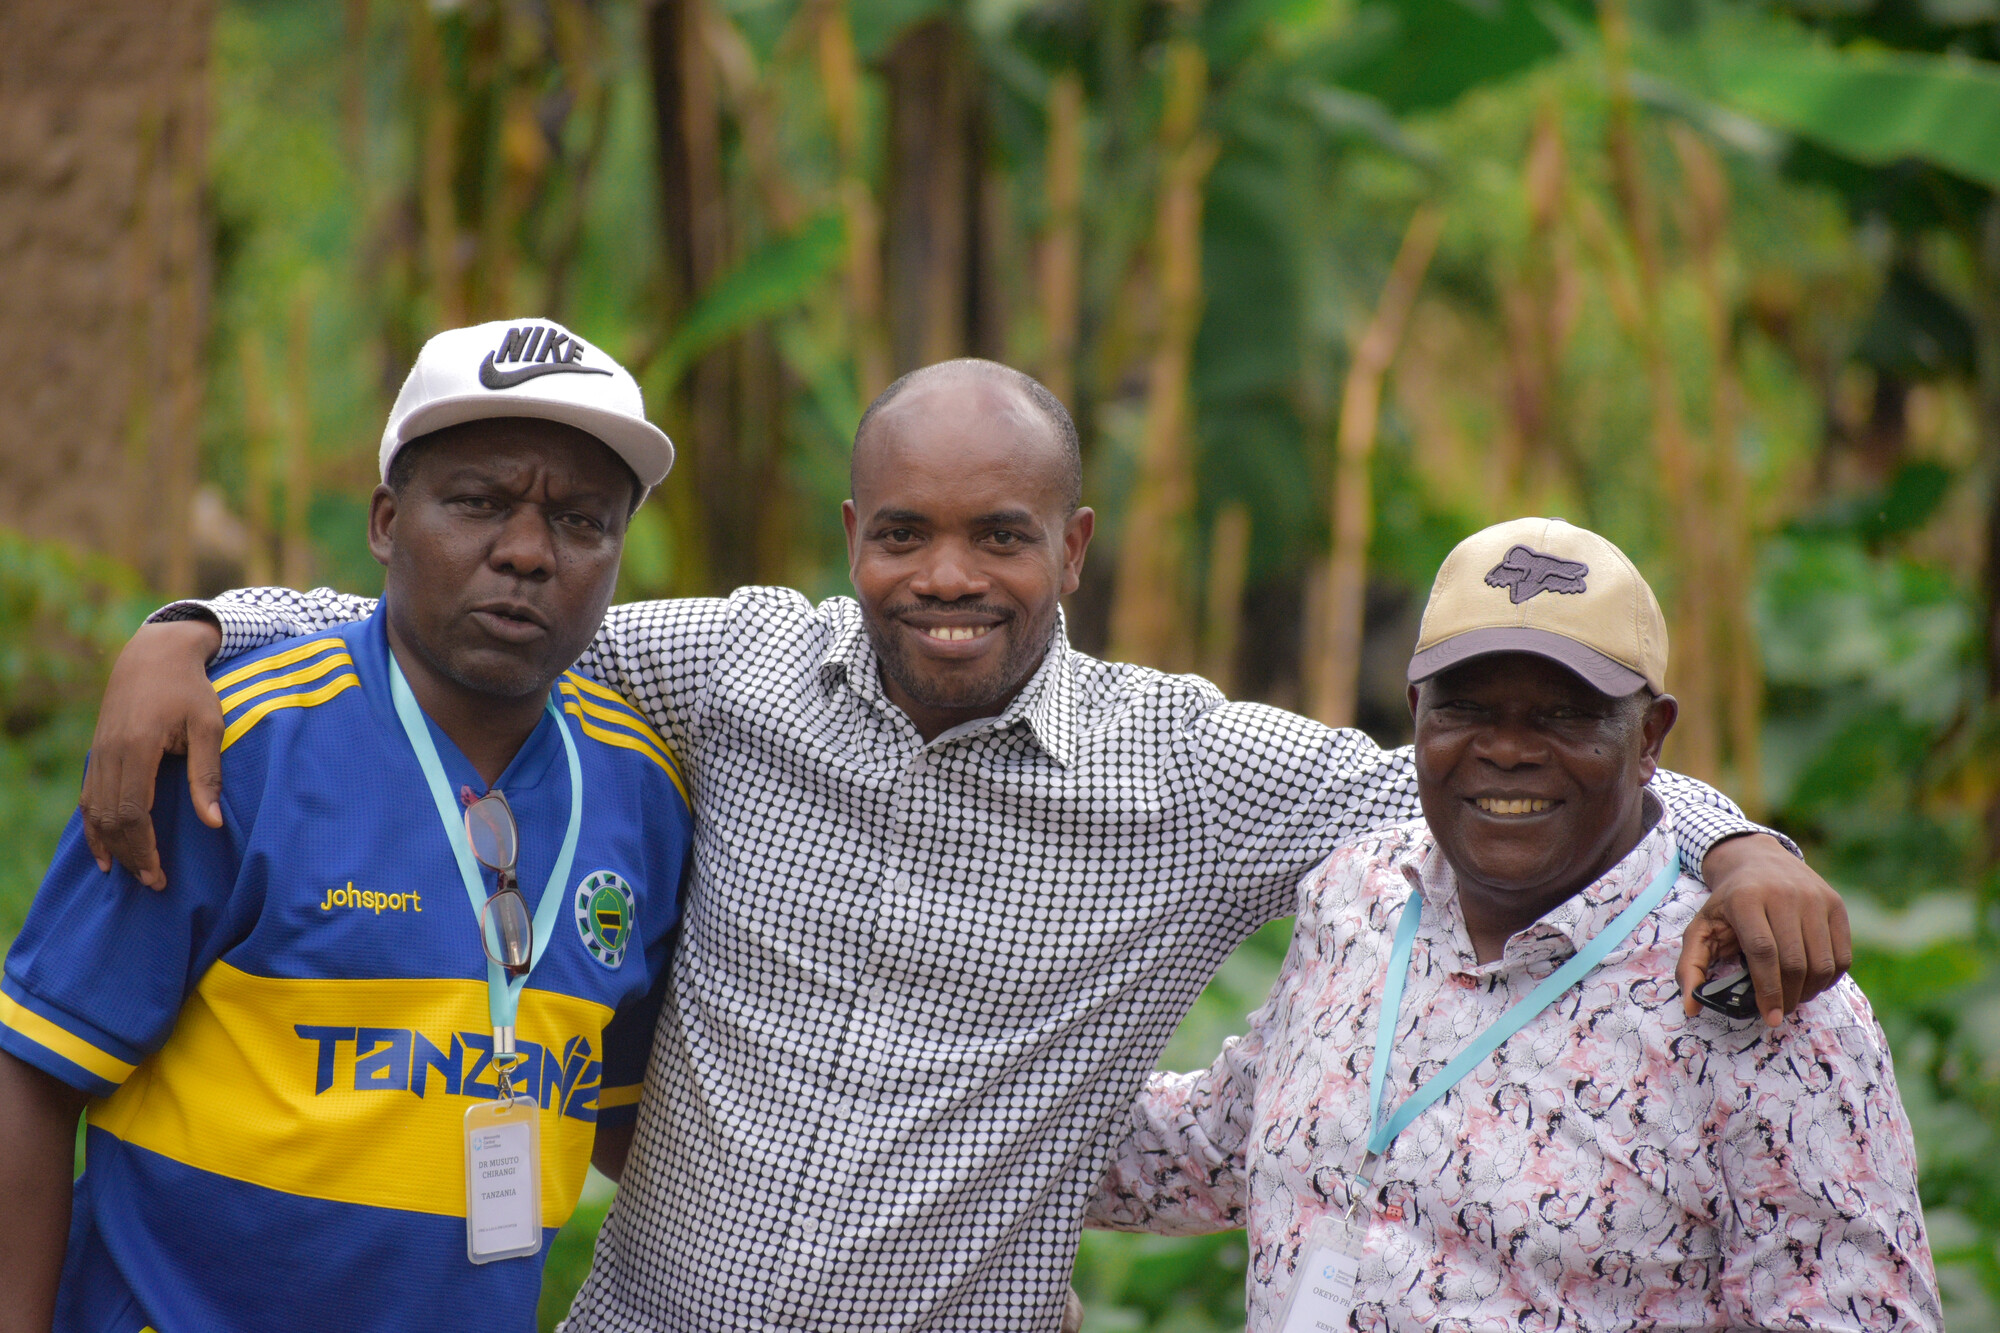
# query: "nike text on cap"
1543 586
527 368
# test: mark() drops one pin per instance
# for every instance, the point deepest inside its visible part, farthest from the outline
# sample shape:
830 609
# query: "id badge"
503 1180
1323 1284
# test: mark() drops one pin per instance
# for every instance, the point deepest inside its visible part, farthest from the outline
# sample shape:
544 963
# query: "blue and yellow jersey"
283 1044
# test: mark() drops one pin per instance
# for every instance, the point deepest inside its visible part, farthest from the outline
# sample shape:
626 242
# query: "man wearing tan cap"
1473 1099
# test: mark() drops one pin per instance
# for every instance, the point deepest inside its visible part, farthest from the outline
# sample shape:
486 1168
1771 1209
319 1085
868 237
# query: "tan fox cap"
1543 586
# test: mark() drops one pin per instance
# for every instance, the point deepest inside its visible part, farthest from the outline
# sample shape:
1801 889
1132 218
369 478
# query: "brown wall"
103 272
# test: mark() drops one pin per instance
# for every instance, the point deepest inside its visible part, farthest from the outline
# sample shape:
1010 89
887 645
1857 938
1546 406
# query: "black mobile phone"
1731 996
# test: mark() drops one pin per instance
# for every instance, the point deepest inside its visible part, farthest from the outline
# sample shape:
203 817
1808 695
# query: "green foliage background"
1334 118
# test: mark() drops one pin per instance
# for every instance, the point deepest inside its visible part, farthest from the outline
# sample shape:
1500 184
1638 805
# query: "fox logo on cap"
1527 573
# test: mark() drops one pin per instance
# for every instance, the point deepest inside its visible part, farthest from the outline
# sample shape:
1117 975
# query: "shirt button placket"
865 1018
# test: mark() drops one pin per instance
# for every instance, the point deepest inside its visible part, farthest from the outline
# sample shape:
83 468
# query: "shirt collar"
1569 925
1046 707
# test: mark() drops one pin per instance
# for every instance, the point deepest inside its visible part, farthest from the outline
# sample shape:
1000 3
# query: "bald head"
949 389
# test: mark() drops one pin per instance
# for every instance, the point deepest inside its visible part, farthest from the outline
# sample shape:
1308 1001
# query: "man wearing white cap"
351 1070
1473 1099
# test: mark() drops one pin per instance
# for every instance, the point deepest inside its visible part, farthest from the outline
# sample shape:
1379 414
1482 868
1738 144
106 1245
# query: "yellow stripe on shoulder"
62 1041
589 686
625 740
236 730
276 660
610 1099
623 717
272 684
615 710
618 709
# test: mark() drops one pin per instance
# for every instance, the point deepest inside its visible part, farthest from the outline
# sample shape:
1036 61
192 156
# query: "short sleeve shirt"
285 1043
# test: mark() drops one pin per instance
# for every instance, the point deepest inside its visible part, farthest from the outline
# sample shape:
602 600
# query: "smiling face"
501 543
1531 781
961 540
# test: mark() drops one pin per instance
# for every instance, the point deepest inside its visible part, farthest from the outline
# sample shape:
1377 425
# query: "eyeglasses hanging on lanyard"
504 925
505 928
512 940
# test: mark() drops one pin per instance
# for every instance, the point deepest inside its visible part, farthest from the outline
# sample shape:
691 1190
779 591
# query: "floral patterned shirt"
1614 1164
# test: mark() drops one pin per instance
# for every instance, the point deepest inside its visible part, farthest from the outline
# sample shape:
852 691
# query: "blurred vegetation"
1328 284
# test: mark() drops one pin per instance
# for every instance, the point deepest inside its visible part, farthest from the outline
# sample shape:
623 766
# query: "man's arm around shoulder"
159 701
1282 790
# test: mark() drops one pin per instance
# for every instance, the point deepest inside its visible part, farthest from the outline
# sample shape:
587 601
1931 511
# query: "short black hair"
405 461
1037 393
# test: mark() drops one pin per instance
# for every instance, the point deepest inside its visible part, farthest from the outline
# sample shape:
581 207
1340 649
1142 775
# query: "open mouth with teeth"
956 633
1495 805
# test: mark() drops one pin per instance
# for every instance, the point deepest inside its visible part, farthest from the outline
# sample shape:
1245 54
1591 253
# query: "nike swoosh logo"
494 378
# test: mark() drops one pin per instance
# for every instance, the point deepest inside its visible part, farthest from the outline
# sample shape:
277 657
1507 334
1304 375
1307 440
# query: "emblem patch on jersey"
605 907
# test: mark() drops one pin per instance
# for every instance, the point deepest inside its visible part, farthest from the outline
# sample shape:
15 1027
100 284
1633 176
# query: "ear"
1412 696
851 521
1661 715
382 525
1076 540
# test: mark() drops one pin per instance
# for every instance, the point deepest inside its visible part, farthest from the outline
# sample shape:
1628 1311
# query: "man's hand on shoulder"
1770 906
158 702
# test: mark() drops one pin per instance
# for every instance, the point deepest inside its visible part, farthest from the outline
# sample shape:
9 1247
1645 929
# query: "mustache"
935 604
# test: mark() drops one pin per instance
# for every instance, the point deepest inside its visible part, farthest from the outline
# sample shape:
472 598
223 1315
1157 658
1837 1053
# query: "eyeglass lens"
489 827
506 930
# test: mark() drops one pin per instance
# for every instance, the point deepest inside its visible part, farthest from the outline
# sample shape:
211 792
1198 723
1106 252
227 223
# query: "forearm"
250 618
37 1155
1704 819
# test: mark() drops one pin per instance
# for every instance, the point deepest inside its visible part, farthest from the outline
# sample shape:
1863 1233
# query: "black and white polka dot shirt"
919 985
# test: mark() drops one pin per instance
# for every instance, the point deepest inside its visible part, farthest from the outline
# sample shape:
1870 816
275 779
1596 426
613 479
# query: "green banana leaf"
1874 106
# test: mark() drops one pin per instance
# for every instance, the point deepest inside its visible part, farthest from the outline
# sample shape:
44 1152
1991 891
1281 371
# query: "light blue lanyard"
503 993
1382 1133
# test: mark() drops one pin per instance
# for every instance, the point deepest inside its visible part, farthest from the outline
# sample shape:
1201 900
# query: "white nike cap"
527 368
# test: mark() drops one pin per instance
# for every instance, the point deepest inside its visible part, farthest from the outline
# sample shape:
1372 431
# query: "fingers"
1701 945
118 820
1787 922
157 700
93 777
204 756
1843 938
1820 971
1758 942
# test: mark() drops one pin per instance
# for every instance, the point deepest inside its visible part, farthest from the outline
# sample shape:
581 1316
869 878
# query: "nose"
1510 743
951 574
524 547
